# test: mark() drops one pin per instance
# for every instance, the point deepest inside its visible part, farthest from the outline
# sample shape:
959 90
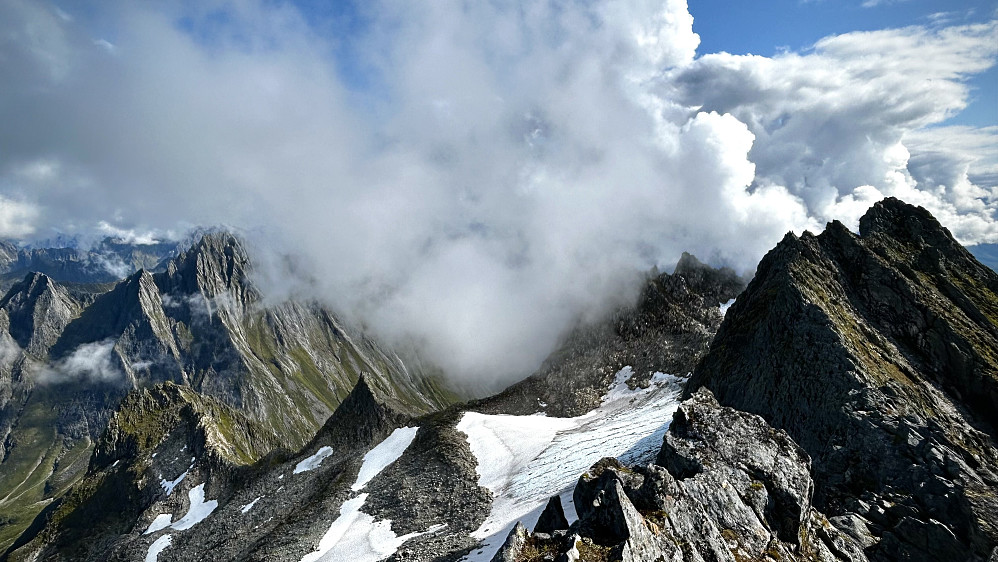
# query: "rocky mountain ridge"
431 491
841 412
71 353
878 354
106 261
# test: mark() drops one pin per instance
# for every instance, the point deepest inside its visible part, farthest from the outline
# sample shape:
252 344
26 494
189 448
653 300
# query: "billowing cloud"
840 126
96 362
472 176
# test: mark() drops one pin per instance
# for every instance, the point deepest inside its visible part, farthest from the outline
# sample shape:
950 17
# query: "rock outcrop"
878 355
725 487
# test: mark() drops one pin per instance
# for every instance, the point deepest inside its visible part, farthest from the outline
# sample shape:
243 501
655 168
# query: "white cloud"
514 168
875 3
95 362
9 351
129 235
17 218
832 125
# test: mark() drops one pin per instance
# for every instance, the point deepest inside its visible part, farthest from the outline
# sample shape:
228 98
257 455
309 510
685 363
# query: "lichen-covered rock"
878 354
511 550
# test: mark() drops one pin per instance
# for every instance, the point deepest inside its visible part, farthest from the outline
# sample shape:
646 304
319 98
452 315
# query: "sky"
476 178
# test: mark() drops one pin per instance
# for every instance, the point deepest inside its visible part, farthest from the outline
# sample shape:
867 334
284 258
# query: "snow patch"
161 521
384 454
157 546
249 506
314 461
524 460
357 537
170 485
199 511
725 306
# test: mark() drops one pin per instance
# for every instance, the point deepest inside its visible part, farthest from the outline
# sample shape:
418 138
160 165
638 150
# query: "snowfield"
199 510
169 485
524 460
161 522
357 537
246 507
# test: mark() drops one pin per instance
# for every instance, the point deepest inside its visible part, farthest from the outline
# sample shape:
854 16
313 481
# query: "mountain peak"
216 265
888 338
894 217
362 415
39 309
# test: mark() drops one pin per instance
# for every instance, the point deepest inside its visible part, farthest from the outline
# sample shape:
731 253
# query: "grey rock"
878 355
552 518
856 527
513 547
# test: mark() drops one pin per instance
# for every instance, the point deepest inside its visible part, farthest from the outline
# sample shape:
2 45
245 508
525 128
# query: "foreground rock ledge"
725 487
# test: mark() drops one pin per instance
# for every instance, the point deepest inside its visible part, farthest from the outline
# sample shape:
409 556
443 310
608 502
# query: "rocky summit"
838 407
878 354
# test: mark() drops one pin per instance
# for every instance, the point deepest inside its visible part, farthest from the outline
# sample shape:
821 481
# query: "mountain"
382 468
838 407
107 261
878 355
73 352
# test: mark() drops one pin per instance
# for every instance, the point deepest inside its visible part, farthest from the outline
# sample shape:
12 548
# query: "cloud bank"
474 176
95 362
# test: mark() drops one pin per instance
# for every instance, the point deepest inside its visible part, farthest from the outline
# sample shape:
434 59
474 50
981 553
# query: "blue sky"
766 28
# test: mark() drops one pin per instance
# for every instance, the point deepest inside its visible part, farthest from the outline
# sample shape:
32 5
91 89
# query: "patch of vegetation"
39 468
536 549
591 552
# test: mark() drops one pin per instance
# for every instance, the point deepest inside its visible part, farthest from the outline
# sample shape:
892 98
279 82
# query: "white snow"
357 537
384 454
157 546
199 511
170 485
314 461
524 460
726 306
249 506
161 521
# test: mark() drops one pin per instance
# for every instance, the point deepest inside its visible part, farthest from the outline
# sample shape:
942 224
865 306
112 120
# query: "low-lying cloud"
94 362
474 176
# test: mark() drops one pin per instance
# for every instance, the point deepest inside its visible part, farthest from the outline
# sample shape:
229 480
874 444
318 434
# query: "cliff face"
878 354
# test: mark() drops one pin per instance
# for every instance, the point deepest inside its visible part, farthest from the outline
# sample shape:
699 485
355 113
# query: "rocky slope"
725 487
434 485
878 355
70 353
843 411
